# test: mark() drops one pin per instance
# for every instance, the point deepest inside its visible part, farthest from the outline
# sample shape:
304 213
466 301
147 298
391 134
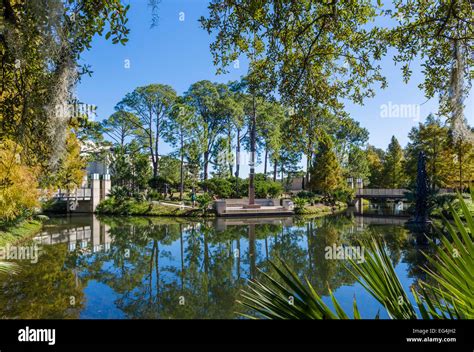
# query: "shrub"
203 201
18 185
299 204
155 195
158 183
54 206
305 194
342 194
106 206
275 189
220 187
266 188
119 193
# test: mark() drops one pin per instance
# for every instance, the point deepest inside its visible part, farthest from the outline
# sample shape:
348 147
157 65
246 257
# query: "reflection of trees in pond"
287 245
395 238
43 290
327 273
415 259
201 284
162 268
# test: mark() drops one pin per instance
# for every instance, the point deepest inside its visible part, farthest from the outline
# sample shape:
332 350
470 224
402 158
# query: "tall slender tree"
119 126
180 132
152 105
209 103
393 165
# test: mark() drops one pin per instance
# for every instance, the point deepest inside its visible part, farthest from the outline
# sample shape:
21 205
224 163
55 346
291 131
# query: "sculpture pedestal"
251 206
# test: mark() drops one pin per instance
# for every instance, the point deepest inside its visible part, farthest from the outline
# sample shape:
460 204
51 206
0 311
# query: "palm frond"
377 275
452 268
298 300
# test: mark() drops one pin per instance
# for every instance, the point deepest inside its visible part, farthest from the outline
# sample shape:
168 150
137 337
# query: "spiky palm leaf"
451 297
377 275
453 268
296 300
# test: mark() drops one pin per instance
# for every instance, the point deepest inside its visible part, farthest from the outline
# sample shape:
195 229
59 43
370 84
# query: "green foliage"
155 195
170 170
54 206
204 201
326 172
220 187
274 189
8 268
130 168
213 106
270 33
375 158
119 193
40 44
358 165
133 206
343 194
429 30
452 270
393 167
152 105
432 137
292 300
18 231
120 126
306 194
268 189
70 173
300 203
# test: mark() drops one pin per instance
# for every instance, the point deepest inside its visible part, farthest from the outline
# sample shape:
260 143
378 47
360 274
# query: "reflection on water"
387 208
175 268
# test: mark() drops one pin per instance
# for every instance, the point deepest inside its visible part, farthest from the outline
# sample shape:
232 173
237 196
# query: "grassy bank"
135 208
321 209
23 230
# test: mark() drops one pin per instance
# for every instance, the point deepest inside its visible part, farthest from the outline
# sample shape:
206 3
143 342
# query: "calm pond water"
143 267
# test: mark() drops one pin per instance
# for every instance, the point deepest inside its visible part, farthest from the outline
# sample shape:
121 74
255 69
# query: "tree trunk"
308 168
206 164
252 153
157 140
181 171
237 163
152 151
265 163
229 150
275 168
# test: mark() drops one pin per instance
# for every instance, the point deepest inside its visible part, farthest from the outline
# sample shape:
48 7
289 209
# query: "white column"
95 191
106 186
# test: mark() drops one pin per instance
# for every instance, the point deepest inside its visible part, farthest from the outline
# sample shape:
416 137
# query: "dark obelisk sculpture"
421 192
419 224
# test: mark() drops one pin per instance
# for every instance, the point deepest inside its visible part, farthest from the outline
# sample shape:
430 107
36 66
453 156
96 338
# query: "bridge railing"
80 193
391 192
381 192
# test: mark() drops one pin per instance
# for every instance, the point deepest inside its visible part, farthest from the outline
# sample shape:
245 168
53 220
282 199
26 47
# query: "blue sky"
177 53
